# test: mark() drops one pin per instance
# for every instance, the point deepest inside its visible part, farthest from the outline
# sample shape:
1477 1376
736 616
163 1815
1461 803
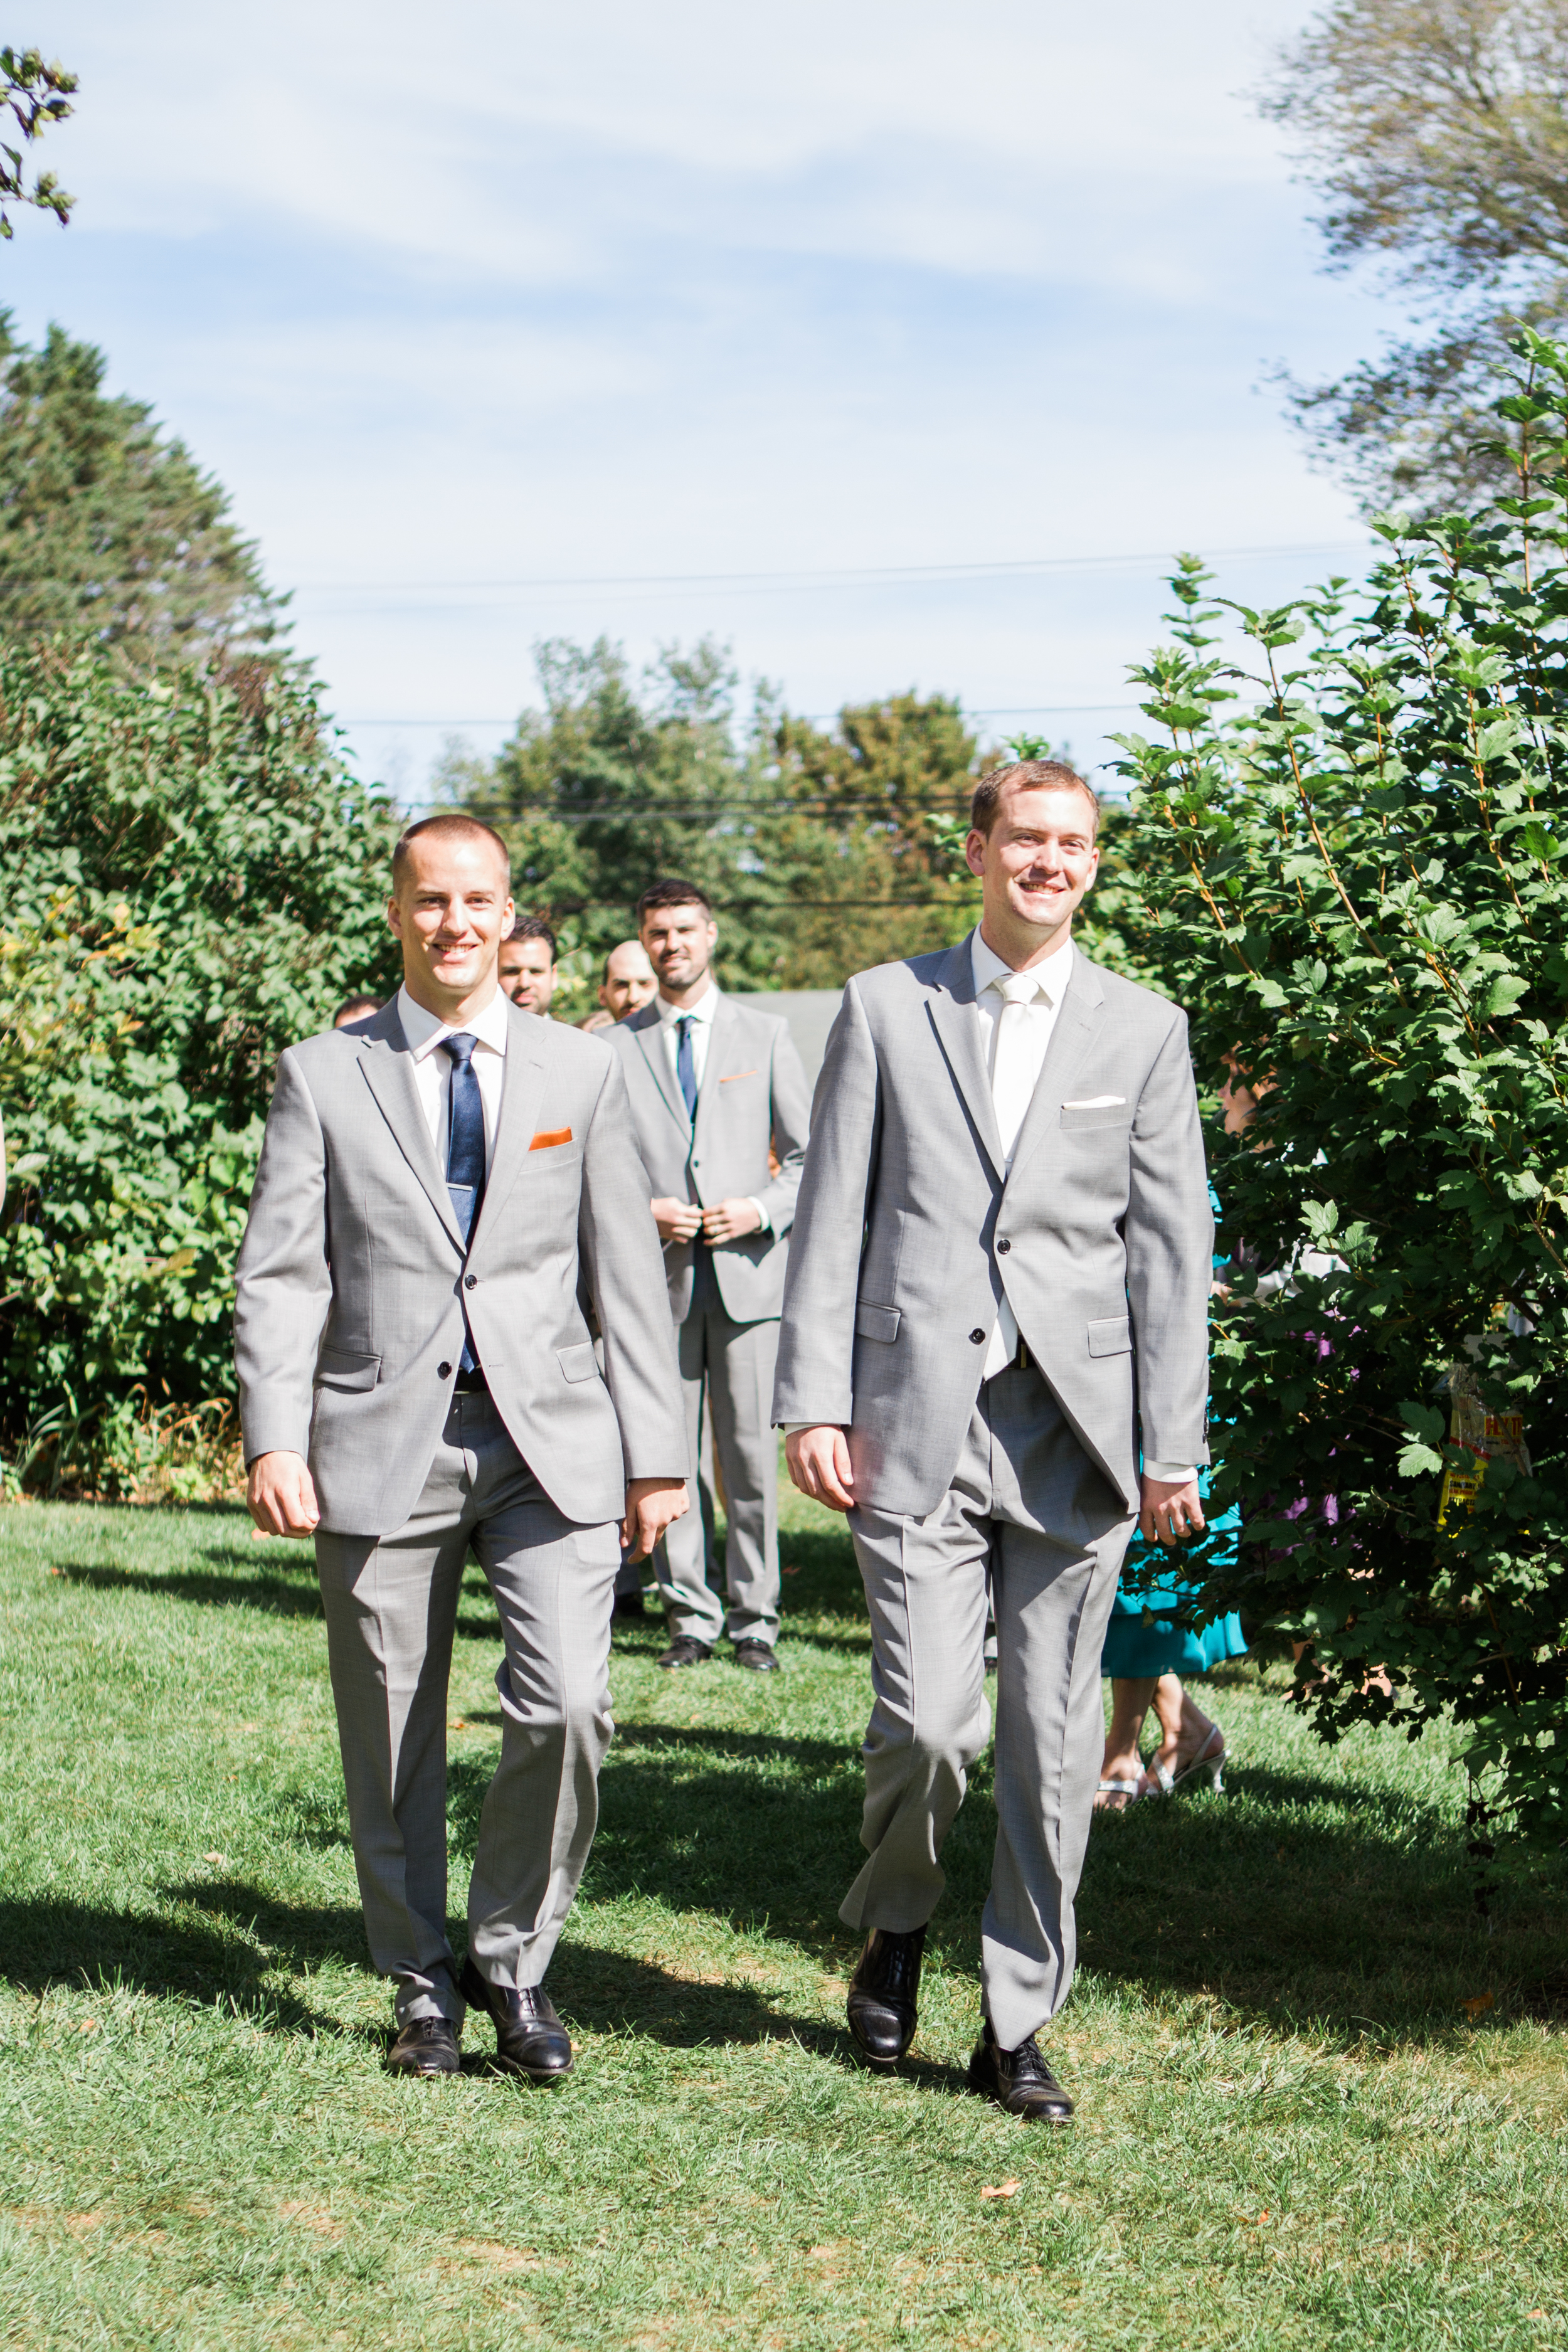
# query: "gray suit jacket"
907 1230
348 1322
754 1092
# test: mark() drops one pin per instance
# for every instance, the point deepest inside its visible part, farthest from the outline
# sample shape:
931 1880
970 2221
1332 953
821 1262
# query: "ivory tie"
1012 1059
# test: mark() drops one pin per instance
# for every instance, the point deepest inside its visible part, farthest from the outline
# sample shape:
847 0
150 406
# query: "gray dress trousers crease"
727 1388
1022 1472
391 1607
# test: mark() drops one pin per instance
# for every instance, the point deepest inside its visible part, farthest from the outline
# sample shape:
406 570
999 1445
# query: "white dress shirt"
433 1071
1040 991
702 1015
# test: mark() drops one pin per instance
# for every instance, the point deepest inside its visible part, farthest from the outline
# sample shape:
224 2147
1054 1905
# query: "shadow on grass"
220 1942
278 1594
1288 1902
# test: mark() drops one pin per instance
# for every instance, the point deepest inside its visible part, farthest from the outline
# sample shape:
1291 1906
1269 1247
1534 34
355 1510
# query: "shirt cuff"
764 1223
1172 1474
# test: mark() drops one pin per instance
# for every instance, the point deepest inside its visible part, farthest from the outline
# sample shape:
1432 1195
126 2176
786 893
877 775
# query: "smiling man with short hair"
440 1188
997 1296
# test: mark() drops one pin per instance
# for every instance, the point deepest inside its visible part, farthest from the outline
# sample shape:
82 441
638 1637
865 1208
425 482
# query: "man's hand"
818 1462
651 1504
1174 1514
678 1220
730 1220
282 1495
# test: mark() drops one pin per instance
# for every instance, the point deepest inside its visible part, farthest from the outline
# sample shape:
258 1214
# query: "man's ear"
975 852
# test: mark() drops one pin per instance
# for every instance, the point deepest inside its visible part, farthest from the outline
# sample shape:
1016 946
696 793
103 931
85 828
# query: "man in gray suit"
712 1085
438 1187
999 1285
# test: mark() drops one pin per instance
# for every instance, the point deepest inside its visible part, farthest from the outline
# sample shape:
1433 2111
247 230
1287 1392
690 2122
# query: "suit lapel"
957 1024
648 1030
1083 1009
388 1067
523 1087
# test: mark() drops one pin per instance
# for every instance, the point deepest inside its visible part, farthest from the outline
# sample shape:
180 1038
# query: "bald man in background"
629 981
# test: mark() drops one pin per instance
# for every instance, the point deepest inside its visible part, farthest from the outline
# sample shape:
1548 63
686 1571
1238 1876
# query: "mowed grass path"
1292 2129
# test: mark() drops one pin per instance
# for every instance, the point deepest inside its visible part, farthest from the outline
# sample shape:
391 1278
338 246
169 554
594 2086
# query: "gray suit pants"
1027 1510
391 1608
727 1381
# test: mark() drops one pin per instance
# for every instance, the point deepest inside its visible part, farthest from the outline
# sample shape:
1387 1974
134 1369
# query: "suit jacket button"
443 1371
1003 1248
469 1280
977 1336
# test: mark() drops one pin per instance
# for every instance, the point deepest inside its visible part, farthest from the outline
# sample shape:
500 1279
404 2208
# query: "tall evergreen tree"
108 527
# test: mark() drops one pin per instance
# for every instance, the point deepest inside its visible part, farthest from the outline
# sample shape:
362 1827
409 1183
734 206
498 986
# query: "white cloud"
521 293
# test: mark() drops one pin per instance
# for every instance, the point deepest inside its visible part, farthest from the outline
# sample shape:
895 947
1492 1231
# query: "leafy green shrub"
191 883
1358 885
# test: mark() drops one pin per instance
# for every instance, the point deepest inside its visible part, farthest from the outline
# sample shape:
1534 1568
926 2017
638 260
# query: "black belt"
469 1381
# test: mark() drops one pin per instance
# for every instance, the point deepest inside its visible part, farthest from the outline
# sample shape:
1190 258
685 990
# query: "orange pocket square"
731 1076
548 1137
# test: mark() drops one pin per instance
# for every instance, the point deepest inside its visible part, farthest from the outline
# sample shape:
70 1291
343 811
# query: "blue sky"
504 323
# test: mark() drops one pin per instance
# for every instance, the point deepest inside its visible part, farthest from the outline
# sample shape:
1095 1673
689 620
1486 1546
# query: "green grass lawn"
1299 2122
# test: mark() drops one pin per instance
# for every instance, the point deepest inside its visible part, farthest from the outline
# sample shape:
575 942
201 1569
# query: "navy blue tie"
465 1154
685 1065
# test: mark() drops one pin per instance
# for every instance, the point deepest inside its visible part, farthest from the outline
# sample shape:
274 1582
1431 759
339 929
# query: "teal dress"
1140 1641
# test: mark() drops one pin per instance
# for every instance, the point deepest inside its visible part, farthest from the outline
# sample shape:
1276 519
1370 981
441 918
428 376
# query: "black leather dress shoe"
686 1650
427 2045
530 2038
882 1995
1019 2080
758 1656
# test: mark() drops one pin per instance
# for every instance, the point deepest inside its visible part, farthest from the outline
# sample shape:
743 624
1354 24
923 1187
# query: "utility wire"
811 717
848 573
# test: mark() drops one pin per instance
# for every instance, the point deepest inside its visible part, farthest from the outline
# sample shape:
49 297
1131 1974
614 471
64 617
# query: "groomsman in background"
528 964
629 981
713 1084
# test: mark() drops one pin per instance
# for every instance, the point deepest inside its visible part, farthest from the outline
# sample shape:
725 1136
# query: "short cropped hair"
447 822
532 926
355 1008
1029 775
673 893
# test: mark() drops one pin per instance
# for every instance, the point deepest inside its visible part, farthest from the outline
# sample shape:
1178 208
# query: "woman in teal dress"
1147 1653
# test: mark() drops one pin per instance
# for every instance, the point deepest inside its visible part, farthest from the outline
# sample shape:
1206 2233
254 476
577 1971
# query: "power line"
866 574
812 717
688 811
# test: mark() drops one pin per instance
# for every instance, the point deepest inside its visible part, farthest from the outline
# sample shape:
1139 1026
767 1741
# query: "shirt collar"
425 1030
705 1006
1050 977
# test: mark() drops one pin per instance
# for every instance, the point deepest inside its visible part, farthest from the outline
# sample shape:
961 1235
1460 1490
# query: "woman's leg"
1185 1729
1129 1698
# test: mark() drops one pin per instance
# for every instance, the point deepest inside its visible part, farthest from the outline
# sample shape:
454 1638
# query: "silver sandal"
1168 1782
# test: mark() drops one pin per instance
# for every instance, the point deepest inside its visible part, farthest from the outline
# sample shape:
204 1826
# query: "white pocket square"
1096 1102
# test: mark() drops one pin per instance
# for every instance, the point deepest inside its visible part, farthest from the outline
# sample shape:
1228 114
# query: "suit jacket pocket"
877 1322
578 1363
1114 1337
336 1368
1097 1114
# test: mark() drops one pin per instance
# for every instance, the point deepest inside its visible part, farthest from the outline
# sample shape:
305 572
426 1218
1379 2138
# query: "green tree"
36 96
108 528
1354 865
1436 133
855 860
817 846
193 882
